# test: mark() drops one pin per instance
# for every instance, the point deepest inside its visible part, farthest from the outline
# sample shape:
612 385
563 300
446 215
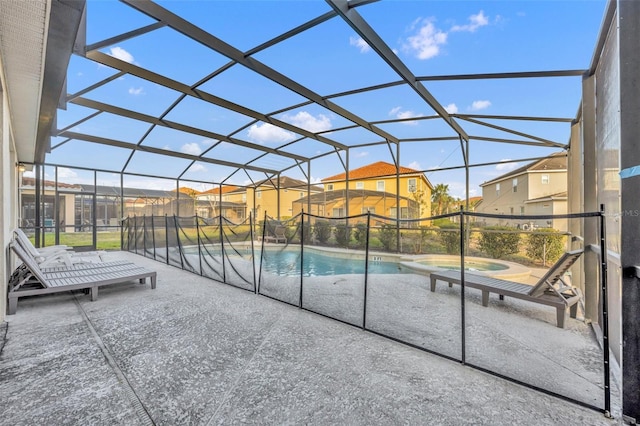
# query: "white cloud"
426 42
197 168
191 148
399 113
451 108
265 133
362 154
475 22
306 121
123 55
65 173
360 44
458 190
135 92
315 181
415 165
507 166
478 105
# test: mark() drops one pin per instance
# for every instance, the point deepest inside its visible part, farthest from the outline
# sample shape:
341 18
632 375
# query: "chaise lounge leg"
94 293
433 284
13 305
561 313
485 298
573 310
153 281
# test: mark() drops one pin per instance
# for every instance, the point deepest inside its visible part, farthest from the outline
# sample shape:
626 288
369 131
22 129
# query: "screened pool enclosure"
320 160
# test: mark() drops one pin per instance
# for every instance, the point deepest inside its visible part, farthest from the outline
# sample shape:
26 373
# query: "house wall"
371 184
266 200
9 193
529 187
502 202
557 183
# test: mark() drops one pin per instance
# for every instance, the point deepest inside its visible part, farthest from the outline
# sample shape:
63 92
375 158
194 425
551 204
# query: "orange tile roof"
377 169
187 191
225 189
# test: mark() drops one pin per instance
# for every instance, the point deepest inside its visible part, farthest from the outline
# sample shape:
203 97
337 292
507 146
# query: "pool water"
287 263
468 265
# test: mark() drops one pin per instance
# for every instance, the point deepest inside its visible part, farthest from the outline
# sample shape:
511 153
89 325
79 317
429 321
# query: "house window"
545 179
368 209
511 211
515 184
380 185
258 194
546 206
498 189
359 185
338 212
330 187
522 210
301 194
404 212
412 185
244 198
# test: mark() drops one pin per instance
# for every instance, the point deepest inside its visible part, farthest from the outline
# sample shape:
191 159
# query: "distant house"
373 188
228 201
276 197
538 188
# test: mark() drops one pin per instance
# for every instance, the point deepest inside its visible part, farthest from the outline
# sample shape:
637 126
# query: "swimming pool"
287 263
469 265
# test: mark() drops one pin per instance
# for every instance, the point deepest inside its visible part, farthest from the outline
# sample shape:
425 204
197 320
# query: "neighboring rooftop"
556 162
377 169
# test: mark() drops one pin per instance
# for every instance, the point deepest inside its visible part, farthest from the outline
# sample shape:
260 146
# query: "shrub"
387 236
450 237
360 234
343 235
499 244
306 231
322 231
545 245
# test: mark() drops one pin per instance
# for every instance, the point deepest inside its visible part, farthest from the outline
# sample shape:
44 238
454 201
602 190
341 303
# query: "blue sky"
430 37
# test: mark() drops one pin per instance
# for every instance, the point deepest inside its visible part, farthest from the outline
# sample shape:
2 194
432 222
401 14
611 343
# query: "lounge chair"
550 290
54 255
279 235
30 280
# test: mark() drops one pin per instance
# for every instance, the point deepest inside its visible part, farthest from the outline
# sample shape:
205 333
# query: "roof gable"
556 161
373 170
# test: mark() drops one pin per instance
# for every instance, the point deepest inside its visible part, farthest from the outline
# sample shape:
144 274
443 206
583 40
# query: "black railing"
368 271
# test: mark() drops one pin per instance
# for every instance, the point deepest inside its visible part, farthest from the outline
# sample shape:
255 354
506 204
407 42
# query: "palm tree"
440 198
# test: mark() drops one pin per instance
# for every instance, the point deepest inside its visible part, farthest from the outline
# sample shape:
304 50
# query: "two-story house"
373 188
538 188
230 201
276 197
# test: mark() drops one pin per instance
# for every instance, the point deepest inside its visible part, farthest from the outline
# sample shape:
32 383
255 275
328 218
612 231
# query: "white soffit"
23 29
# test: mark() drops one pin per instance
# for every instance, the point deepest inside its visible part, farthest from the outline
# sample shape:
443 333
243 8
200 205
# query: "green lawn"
105 240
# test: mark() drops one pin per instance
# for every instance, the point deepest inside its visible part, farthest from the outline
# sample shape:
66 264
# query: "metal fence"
373 272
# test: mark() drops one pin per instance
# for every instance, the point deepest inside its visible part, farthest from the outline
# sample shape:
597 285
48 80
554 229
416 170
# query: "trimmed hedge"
499 244
545 245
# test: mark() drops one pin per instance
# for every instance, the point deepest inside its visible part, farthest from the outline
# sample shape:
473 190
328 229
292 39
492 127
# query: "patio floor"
195 351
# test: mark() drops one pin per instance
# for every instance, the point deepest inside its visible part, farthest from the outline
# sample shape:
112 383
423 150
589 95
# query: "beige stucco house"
538 188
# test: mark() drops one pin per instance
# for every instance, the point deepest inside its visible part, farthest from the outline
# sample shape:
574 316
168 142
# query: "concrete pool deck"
195 351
